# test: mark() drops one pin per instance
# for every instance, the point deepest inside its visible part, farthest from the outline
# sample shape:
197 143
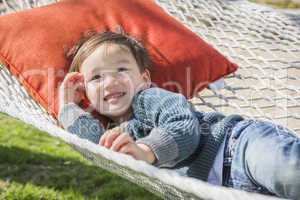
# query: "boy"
160 127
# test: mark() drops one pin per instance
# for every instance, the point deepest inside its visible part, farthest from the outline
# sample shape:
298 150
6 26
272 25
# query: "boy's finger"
74 77
68 80
110 138
70 76
80 87
103 138
126 149
120 141
116 129
78 78
129 150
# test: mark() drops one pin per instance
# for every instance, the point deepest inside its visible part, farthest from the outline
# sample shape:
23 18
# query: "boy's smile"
114 97
112 78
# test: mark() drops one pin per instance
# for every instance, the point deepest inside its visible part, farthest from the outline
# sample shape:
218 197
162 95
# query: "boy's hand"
115 140
72 89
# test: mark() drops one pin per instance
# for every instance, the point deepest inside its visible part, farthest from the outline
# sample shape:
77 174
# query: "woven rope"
266 45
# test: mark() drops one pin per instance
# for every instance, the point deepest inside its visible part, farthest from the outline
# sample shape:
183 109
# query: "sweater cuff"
69 113
163 146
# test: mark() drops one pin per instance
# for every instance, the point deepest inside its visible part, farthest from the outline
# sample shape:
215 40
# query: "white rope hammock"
265 44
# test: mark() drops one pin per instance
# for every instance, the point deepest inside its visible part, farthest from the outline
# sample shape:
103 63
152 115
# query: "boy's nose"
111 80
111 77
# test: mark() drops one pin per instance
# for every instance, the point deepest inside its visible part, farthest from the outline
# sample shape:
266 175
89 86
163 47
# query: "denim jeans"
263 157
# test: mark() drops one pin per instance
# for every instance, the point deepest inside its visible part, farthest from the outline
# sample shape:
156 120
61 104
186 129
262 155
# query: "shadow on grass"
23 166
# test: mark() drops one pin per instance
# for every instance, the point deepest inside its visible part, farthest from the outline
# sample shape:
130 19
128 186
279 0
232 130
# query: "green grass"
279 3
36 166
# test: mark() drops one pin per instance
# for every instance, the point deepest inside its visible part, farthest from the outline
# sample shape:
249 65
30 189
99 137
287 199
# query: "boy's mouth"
114 96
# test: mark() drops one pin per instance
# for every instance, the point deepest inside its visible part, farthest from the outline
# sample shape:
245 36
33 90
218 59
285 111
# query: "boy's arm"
81 123
176 134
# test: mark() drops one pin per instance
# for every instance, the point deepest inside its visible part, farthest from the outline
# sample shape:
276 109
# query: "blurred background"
291 4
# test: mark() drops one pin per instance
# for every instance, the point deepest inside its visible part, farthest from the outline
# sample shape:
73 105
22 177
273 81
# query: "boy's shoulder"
156 92
155 95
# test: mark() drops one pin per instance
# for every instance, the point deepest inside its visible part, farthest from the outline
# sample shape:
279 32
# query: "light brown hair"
92 39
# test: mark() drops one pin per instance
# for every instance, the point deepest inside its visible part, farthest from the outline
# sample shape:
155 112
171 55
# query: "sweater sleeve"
79 122
175 135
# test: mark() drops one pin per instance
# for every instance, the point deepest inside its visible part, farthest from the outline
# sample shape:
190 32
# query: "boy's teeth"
119 94
116 95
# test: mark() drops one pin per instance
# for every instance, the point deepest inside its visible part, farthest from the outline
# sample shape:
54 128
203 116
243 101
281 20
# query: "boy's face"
112 77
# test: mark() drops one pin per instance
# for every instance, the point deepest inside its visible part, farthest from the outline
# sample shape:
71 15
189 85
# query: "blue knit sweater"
178 135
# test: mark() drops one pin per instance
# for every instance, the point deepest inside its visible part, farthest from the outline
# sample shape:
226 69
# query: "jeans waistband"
230 143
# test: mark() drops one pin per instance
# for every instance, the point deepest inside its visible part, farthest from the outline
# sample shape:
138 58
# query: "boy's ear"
146 79
146 76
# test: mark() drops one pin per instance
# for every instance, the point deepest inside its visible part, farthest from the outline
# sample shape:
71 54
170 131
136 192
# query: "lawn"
279 3
36 166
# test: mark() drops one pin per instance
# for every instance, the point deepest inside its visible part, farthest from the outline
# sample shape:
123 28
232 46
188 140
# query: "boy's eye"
122 69
96 77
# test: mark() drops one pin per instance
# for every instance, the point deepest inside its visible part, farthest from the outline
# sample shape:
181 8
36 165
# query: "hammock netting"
263 41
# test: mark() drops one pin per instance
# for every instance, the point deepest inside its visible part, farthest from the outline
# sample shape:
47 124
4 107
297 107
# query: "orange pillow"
34 42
